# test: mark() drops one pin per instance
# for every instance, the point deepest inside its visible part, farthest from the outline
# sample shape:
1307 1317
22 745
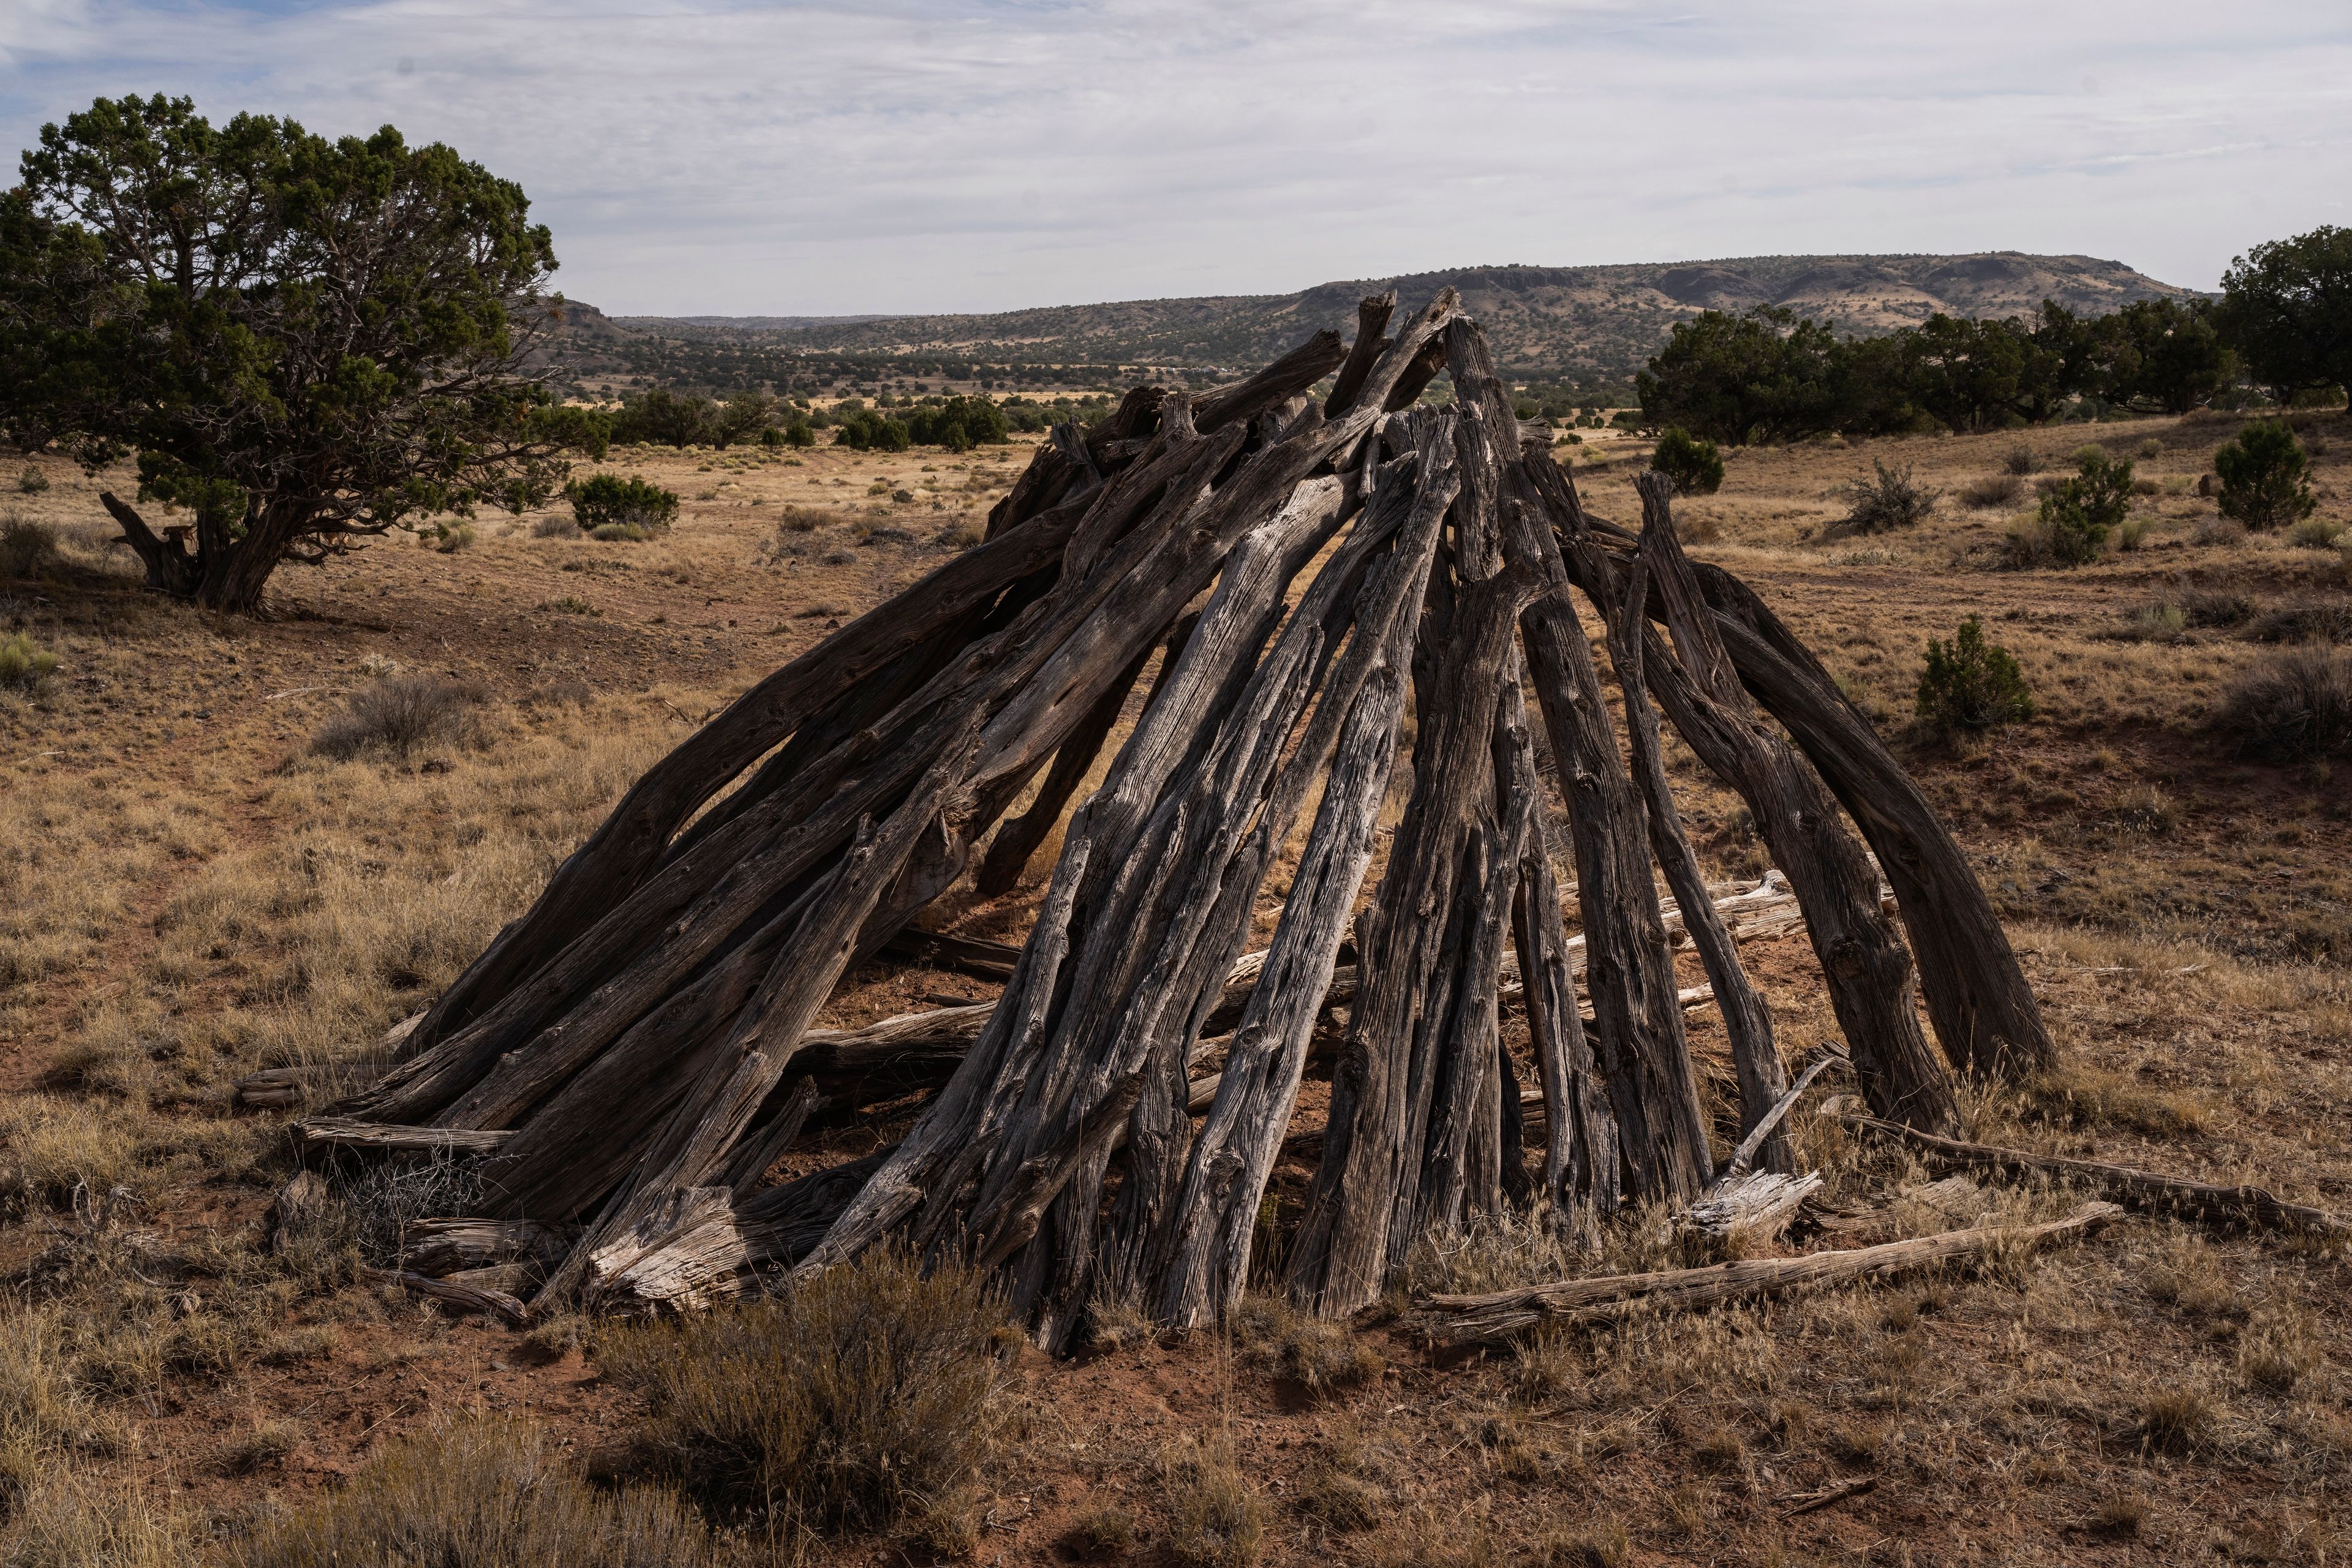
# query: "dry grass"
1216 1518
866 1393
487 1492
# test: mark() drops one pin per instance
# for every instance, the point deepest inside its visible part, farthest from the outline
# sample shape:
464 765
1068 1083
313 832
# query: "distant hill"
1585 324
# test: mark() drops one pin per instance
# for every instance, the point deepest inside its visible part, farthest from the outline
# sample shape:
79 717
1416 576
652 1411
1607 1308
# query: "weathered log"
1756 1204
1868 971
450 1292
1293 372
1755 1057
1204 1263
440 1247
1015 841
1638 1045
1984 1011
2255 1207
775 1139
607 867
350 1132
1372 315
950 1146
1500 1317
1357 1216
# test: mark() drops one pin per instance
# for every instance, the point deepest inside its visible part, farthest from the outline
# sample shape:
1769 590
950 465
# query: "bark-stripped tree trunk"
1868 967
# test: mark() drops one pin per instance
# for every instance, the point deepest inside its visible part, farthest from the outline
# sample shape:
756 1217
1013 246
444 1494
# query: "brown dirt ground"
189 894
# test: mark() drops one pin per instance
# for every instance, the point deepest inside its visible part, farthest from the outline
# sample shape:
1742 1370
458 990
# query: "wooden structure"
631 1057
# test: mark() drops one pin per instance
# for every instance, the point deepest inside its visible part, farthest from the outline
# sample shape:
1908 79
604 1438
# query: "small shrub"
2311 622
2131 532
839 557
1316 1354
621 532
801 520
2316 533
962 535
400 716
32 481
1992 490
1101 1532
799 433
869 1390
2020 460
603 500
2265 478
572 604
2175 1420
70 1524
1692 466
2295 705
555 526
2159 623
2151 448
27 549
2077 514
2214 607
480 1491
1215 1516
23 663
1971 685
1888 501
454 538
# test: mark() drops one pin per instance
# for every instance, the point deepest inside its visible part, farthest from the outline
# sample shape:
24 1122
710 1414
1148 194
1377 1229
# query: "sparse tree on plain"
304 342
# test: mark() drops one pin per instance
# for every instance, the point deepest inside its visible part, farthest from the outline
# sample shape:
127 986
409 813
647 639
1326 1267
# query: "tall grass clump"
869 1392
1889 500
1992 490
399 717
27 549
2293 706
1971 685
23 663
480 1491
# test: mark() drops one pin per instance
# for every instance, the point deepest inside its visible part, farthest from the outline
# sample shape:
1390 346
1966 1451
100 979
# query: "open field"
191 888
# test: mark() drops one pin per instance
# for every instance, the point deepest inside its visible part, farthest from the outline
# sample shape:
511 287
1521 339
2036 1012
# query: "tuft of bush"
2316 533
2077 514
32 481
454 538
27 549
555 526
399 717
1992 490
481 1490
23 663
1215 1516
2265 477
631 508
868 1391
2158 622
2130 533
2291 707
2315 622
2020 460
2216 607
1888 502
1971 685
799 433
1692 466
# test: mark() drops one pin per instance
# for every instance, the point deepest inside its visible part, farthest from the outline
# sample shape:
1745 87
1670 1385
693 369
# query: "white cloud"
838 156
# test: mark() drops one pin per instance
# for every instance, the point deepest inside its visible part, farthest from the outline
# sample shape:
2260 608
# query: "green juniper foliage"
2287 308
304 342
603 500
2079 514
1971 685
2265 479
1694 466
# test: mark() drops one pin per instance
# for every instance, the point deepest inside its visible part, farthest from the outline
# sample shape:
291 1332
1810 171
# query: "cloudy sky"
763 156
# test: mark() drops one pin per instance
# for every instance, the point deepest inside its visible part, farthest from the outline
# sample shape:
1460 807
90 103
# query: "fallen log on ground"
2254 1208
1500 1317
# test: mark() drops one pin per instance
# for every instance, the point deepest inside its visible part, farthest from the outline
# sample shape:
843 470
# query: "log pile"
1314 578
